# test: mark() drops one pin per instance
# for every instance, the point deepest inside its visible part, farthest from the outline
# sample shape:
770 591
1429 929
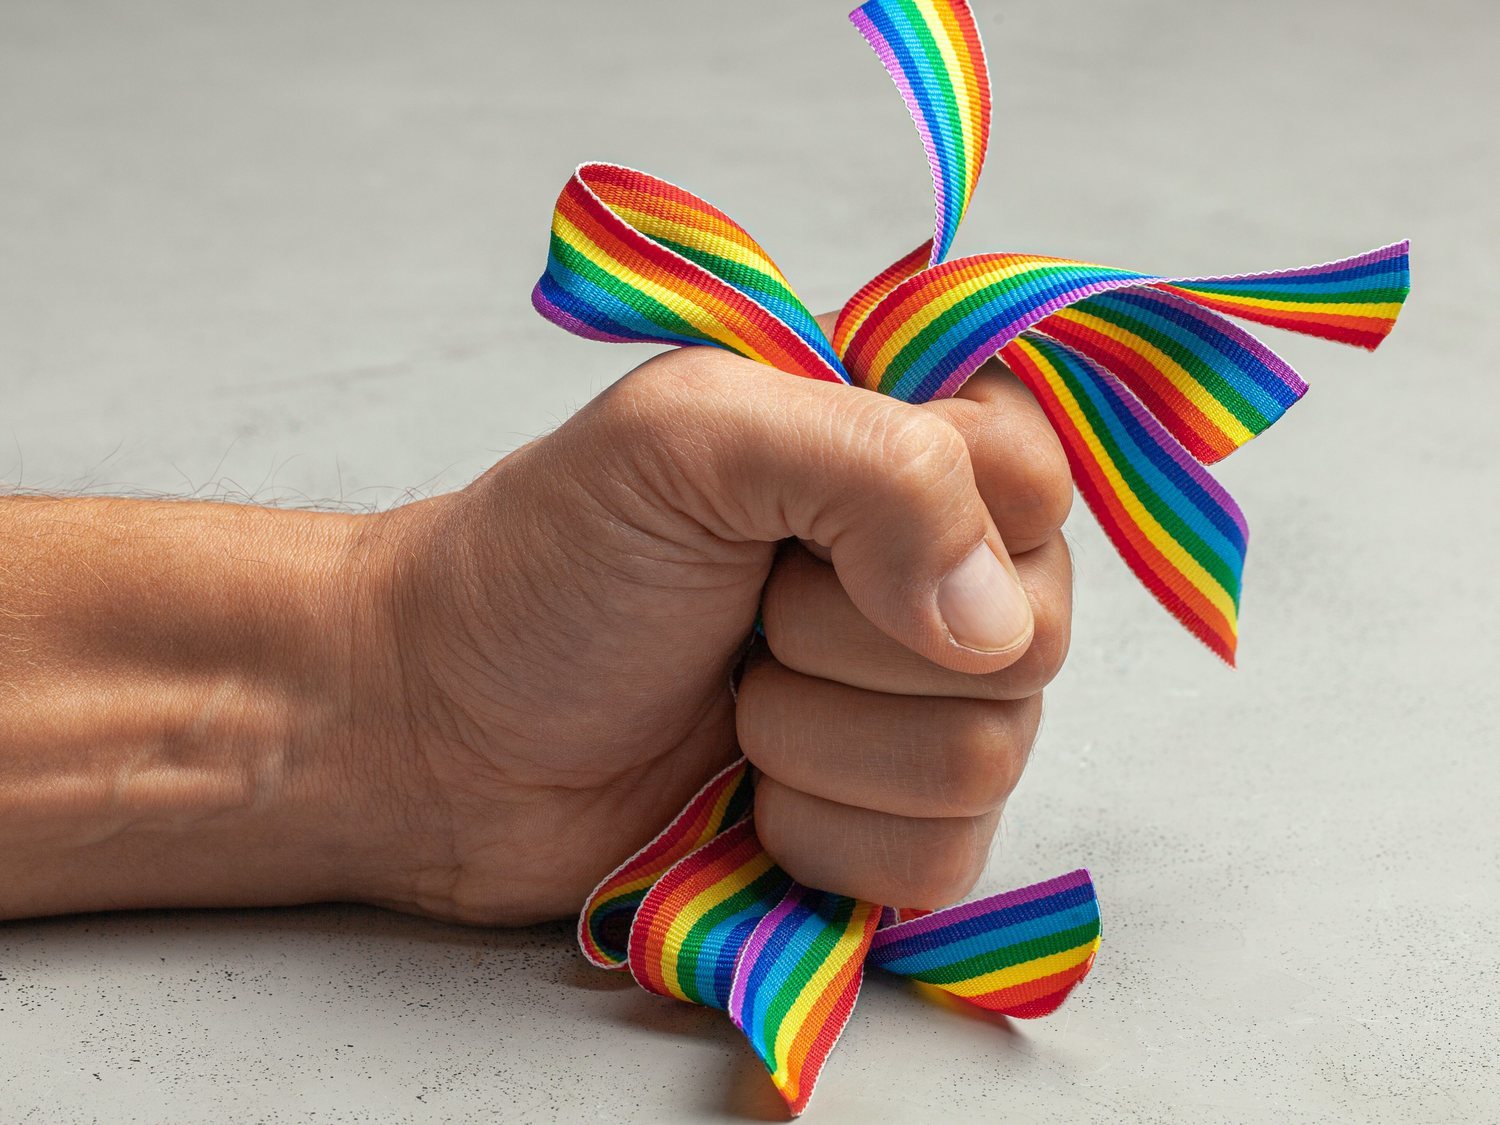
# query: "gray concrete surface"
283 250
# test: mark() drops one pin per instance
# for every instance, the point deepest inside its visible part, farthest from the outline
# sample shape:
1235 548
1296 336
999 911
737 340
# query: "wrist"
192 716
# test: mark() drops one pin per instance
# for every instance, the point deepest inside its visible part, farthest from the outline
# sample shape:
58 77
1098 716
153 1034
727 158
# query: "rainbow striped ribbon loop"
703 914
1145 382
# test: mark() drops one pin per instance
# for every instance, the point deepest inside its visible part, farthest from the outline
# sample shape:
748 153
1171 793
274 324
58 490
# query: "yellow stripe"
944 29
694 909
939 303
710 829
1176 374
950 40
689 310
1191 569
1384 310
655 226
1026 971
796 1016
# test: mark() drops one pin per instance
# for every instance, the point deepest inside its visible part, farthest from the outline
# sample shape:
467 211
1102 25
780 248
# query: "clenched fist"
565 631
476 705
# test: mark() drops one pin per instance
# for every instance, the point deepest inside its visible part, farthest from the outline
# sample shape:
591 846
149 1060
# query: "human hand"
545 657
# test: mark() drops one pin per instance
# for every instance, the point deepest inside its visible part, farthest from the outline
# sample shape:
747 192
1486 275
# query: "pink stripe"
887 56
571 323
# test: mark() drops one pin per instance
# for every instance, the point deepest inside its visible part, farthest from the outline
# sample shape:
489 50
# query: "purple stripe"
993 342
969 911
887 58
1167 444
754 946
1153 441
1394 250
571 323
1219 325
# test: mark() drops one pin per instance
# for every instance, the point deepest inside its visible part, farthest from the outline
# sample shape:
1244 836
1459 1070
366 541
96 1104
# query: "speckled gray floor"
284 250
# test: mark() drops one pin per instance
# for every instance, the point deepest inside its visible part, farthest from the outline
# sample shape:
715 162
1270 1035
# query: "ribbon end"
795 984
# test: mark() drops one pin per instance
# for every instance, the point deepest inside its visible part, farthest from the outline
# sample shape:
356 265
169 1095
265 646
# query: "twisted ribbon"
1144 383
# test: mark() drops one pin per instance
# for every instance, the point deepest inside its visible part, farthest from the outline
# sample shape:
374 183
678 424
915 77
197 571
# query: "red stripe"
981 75
782 347
1034 997
1361 331
859 306
1189 606
636 188
829 1027
1179 414
696 872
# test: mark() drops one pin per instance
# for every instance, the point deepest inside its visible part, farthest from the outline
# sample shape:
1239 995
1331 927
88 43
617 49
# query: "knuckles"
919 452
804 635
1046 481
941 868
1049 578
1023 462
890 860
654 399
984 754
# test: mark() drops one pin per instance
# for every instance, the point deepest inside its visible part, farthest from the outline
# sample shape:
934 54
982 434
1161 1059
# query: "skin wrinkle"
473 706
808 621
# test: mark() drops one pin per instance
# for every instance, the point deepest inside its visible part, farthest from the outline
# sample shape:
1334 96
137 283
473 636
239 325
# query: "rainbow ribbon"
703 914
1144 381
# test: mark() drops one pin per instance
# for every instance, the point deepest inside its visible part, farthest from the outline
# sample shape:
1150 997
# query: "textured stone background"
283 250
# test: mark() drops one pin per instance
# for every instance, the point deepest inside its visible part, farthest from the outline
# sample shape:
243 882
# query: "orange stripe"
925 301
976 82
863 303
834 997
724 868
1335 326
1193 602
730 309
1018 994
681 211
1163 395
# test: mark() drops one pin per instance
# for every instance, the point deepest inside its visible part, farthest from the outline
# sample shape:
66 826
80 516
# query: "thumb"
756 454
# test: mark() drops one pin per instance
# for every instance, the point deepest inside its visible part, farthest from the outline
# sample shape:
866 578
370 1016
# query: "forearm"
178 709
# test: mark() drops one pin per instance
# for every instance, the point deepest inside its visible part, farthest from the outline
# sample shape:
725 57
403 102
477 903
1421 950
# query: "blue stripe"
918 79
783 949
1003 306
962 928
579 297
1231 361
1333 281
1159 471
948 146
716 956
991 941
795 316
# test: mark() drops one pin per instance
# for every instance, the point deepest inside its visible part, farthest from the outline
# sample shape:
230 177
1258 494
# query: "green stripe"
930 333
1004 958
758 283
813 957
738 274
945 94
1204 374
571 258
1164 514
1351 297
709 920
